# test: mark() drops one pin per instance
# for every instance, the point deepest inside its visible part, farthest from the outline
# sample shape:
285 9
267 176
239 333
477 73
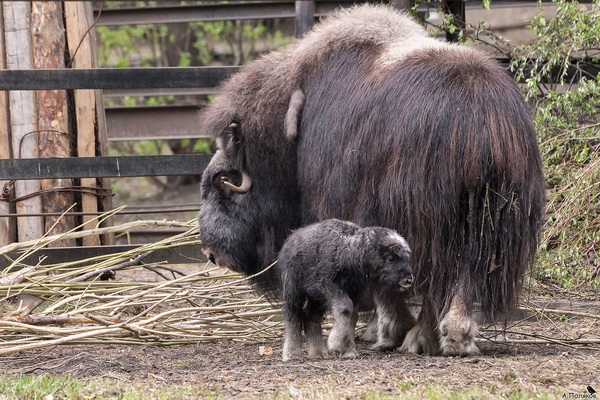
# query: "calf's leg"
341 337
313 318
292 338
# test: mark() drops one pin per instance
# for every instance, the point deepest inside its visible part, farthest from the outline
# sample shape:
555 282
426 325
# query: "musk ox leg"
457 330
423 337
292 339
370 334
315 345
341 337
394 321
293 318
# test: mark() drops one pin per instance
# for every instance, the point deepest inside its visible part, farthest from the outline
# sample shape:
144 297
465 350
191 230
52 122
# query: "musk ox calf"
369 119
335 265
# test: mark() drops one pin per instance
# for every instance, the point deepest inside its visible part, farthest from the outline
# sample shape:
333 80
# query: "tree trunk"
48 52
7 224
23 113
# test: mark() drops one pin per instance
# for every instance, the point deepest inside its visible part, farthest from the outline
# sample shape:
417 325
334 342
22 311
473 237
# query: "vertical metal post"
305 17
456 8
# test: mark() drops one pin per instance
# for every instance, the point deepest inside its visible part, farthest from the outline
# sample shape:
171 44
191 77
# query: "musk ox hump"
375 24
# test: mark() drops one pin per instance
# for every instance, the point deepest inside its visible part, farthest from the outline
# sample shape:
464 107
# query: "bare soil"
232 369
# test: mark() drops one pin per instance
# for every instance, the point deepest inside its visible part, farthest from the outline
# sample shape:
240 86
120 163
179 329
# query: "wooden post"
7 227
305 17
48 51
88 103
23 114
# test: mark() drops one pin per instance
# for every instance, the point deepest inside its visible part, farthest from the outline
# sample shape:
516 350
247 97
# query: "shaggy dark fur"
394 129
335 265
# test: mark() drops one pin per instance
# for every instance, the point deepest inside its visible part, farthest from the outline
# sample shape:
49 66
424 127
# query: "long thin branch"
99 231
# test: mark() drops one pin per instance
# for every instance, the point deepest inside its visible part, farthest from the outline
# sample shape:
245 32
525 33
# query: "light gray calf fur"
337 266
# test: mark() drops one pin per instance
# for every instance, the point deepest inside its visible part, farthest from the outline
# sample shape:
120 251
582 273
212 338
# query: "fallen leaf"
265 351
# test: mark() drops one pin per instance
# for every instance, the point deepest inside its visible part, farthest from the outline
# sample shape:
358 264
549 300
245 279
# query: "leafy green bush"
567 124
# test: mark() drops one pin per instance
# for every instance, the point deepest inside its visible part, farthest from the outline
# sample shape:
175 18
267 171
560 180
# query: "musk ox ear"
292 117
232 130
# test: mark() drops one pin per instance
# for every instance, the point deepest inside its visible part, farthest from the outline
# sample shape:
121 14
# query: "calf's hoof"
349 354
317 352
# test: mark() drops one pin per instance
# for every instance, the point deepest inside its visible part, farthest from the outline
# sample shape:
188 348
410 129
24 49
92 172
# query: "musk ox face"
245 213
391 262
227 215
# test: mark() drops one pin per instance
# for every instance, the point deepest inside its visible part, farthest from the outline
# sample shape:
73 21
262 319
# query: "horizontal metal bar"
103 167
114 78
211 12
153 122
57 255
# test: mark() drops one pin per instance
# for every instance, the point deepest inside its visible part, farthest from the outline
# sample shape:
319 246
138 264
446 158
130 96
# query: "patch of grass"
58 387
408 389
45 386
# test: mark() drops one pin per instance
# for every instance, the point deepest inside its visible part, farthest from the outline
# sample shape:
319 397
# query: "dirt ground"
238 370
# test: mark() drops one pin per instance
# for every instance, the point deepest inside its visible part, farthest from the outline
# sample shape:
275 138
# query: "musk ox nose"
211 258
406 282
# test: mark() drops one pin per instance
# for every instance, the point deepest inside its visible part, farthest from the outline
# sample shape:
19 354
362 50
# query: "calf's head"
389 259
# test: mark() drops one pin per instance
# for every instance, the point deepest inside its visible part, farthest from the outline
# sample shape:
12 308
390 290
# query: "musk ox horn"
244 187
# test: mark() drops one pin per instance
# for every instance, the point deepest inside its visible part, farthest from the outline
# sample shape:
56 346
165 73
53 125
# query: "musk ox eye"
221 178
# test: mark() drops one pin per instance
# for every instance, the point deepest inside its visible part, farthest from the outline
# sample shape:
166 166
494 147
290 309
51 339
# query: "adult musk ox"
337 266
368 119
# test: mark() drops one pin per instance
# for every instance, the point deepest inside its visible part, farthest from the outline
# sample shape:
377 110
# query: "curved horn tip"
244 187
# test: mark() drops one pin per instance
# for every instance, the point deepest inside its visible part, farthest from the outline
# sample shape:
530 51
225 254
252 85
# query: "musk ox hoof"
318 352
420 341
345 354
384 345
370 334
343 345
289 355
349 354
457 335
